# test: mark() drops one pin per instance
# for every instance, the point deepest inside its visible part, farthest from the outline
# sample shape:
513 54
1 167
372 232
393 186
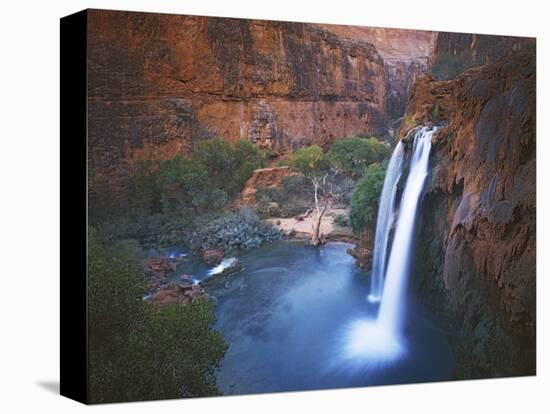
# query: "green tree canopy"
354 155
310 161
138 351
228 166
365 199
183 184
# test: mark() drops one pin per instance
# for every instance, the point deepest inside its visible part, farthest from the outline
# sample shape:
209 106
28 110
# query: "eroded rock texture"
158 83
406 54
476 241
454 52
263 177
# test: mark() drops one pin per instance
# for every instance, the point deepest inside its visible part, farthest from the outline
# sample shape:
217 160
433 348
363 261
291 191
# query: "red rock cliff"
158 82
476 241
405 53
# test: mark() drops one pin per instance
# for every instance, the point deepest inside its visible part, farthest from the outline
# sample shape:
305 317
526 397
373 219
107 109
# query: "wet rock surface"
171 293
362 255
476 252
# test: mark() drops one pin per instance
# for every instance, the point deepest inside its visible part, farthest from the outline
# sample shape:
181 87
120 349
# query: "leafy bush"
291 198
341 220
365 199
143 190
140 352
183 184
353 155
309 161
103 202
435 113
228 167
343 190
409 121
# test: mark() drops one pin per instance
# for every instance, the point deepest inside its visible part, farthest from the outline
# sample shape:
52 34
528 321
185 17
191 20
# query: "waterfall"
384 222
381 339
392 306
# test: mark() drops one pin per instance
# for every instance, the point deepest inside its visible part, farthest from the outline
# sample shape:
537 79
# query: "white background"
29 216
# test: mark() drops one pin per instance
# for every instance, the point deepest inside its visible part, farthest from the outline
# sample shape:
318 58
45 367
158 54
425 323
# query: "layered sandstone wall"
476 253
158 83
406 54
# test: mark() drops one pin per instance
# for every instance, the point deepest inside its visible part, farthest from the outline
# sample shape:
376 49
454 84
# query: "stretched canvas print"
260 206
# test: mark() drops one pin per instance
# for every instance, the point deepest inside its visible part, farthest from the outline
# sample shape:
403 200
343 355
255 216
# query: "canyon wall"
452 53
406 55
476 252
158 83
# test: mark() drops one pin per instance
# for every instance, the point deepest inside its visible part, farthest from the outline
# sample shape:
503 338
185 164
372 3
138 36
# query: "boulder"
172 293
363 257
212 256
167 295
159 267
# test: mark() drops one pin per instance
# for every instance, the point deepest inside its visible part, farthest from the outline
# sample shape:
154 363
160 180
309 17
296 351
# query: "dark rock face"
454 52
476 253
158 83
400 78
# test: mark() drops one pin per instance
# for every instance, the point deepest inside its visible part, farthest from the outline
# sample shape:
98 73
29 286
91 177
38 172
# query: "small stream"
287 318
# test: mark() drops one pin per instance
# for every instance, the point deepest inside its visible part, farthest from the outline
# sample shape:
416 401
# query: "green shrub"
408 120
293 197
143 190
103 202
228 166
343 190
435 113
353 155
140 352
341 220
183 184
310 161
365 199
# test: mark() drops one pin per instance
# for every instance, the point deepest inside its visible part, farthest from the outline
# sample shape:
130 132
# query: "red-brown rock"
264 177
159 266
212 256
159 82
476 252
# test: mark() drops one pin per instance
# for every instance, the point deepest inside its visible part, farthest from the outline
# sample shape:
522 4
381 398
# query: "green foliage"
310 161
353 155
137 351
409 121
365 199
343 189
435 113
103 202
218 159
228 167
143 190
341 220
291 198
247 151
183 184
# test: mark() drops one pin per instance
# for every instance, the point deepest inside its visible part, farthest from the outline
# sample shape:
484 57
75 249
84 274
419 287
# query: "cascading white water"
380 339
384 222
392 307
